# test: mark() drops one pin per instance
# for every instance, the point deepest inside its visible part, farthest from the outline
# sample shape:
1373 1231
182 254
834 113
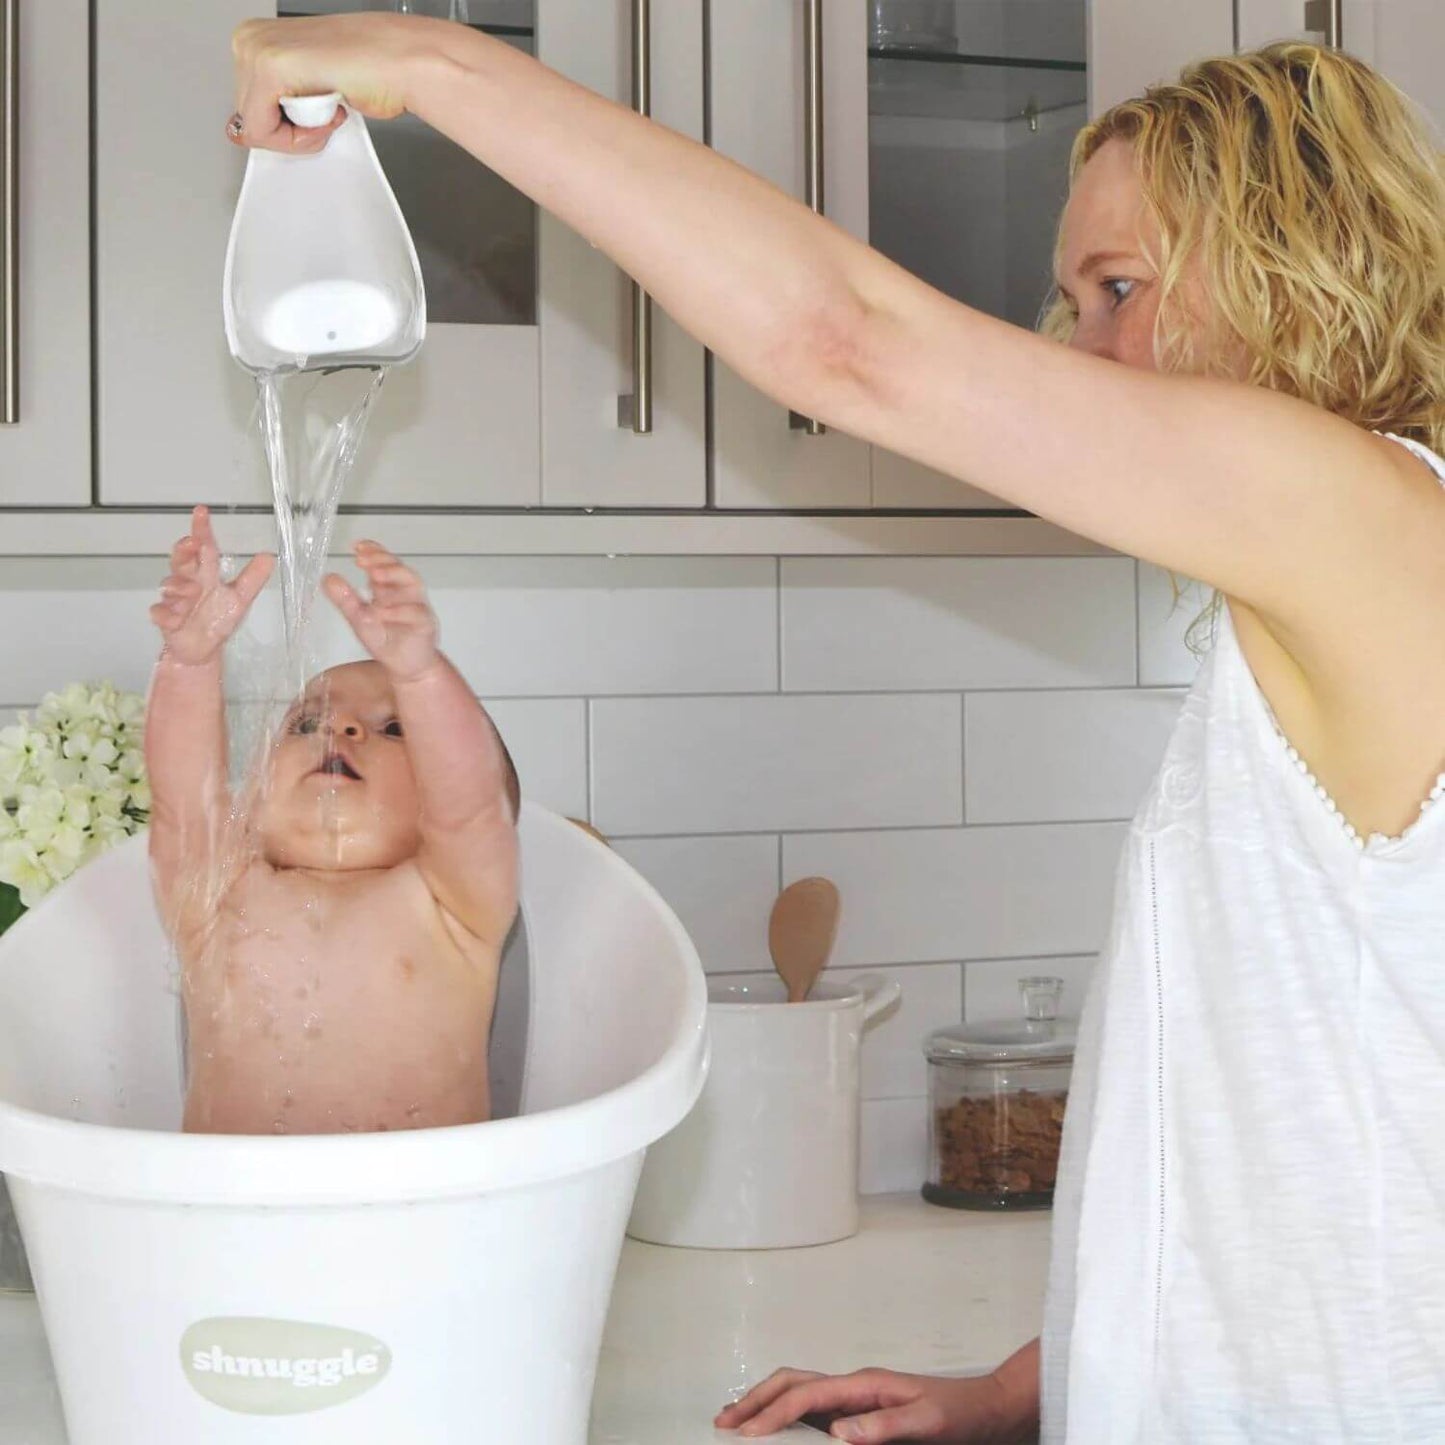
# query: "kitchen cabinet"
519 397
944 139
943 133
1405 39
45 449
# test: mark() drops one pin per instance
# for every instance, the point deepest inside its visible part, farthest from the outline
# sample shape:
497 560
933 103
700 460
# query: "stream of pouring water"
311 426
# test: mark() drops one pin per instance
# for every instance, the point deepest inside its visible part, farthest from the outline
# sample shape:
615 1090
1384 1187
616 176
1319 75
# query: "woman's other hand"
881 1405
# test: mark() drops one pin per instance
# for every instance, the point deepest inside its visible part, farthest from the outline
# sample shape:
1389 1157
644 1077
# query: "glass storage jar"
996 1096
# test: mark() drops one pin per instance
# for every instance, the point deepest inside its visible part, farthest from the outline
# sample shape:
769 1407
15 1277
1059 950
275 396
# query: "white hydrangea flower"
72 784
21 867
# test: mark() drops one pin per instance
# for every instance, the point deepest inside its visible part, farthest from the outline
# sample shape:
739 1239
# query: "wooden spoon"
588 828
801 931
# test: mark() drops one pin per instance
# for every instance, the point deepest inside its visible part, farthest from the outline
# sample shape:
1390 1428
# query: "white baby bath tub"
425 1288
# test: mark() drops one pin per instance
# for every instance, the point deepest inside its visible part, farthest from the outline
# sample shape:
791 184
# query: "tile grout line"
963 755
778 620
963 964
854 830
587 766
1138 627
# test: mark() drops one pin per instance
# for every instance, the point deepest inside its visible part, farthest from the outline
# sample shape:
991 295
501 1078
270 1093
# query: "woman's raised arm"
1269 499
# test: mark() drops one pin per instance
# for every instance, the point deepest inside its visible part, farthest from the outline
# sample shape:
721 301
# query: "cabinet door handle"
1327 16
813 151
635 410
9 212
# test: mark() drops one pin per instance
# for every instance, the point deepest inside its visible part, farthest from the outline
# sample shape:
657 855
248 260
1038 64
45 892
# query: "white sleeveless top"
1249 1228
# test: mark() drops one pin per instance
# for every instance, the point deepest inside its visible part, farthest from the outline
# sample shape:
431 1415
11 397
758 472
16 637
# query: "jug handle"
310 111
879 993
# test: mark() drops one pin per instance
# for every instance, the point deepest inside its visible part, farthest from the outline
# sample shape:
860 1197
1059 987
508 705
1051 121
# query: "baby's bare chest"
288 955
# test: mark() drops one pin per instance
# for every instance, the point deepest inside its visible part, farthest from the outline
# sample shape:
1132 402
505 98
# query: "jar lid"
1038 1036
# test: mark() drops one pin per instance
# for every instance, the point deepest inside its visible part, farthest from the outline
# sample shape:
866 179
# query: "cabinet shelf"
506 32
960 57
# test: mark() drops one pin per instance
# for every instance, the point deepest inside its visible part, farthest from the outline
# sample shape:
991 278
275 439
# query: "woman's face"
1105 271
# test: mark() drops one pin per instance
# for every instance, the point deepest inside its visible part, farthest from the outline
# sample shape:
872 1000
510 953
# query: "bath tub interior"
600 1011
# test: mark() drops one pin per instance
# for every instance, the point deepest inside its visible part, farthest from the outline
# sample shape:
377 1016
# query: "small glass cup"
996 1106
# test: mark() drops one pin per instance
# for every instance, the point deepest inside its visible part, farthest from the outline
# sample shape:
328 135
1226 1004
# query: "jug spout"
321 271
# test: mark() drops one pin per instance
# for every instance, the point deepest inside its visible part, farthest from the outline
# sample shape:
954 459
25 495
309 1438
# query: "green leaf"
10 905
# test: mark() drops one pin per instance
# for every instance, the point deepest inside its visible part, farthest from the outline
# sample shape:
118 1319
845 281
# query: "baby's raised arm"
464 780
185 739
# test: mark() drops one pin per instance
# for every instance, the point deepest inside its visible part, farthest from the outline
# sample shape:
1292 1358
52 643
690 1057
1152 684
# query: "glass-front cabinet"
944 139
525 393
972 111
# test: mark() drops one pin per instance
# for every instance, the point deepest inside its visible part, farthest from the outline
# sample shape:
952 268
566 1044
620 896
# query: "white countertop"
919 1288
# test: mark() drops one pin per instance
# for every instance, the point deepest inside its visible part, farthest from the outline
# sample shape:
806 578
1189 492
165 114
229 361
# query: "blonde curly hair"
1312 192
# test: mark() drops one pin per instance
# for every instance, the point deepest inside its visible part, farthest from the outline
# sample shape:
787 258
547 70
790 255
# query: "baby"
340 937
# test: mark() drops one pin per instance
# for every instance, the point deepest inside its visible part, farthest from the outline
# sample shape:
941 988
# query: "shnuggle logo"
279 1367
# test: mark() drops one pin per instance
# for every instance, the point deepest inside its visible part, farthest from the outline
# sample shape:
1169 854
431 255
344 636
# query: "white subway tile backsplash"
540 627
547 738
748 764
893 1150
1165 659
65 622
932 998
528 627
952 893
515 626
644 694
1033 757
991 986
896 624
722 889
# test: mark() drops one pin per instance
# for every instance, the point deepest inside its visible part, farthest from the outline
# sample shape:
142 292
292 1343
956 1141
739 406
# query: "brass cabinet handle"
9 212
635 410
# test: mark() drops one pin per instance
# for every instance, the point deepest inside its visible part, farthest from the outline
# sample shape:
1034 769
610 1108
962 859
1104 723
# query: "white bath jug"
768 1157
320 269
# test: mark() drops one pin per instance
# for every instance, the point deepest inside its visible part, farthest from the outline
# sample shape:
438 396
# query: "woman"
1248 1243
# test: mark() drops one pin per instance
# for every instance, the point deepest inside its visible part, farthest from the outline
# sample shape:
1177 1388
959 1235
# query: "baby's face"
340 792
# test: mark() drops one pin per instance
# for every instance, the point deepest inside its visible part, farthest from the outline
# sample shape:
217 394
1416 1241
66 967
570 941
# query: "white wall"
955 741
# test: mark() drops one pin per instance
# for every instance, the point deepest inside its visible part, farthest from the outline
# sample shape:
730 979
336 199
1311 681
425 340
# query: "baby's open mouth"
337 766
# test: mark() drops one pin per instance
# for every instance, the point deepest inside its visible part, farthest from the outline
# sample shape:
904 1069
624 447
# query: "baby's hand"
198 611
397 627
